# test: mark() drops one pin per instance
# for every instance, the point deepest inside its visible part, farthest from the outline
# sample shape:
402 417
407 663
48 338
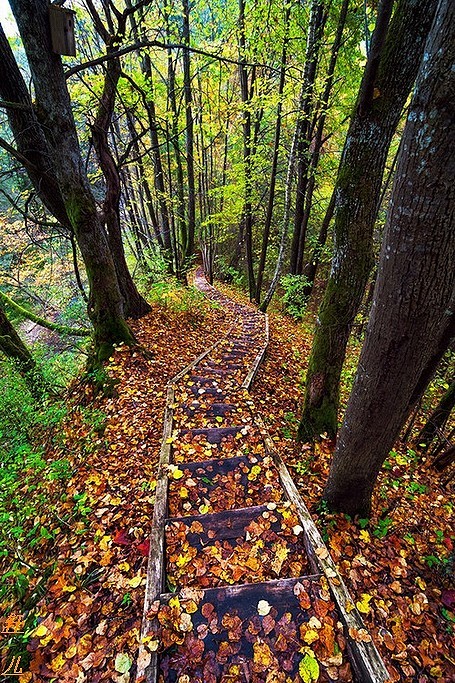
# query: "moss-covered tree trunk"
12 346
383 94
105 306
414 299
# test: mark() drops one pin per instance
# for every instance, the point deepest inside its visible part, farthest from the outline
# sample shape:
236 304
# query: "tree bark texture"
246 91
105 301
189 130
276 149
28 135
358 186
134 305
318 17
414 299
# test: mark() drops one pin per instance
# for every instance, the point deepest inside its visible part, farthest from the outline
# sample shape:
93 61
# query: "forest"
227 341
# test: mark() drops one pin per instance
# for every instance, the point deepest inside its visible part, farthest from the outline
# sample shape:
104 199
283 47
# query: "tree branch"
165 46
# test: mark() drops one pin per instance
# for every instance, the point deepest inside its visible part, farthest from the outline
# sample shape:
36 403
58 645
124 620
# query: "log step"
236 546
214 410
214 435
216 485
255 632
209 390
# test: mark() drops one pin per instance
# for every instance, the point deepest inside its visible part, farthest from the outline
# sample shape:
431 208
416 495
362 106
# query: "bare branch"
164 46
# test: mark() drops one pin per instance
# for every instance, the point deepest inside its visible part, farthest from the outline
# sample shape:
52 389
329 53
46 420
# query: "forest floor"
87 589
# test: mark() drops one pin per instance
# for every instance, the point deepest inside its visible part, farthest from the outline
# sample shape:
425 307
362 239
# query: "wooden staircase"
240 586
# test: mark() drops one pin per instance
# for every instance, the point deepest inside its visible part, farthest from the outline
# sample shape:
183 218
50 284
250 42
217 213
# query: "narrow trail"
240 586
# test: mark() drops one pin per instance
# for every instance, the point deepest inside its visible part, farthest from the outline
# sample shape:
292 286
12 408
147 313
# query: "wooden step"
214 435
236 546
217 485
198 445
262 632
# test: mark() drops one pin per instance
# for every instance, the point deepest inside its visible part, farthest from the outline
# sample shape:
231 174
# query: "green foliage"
382 528
173 296
294 298
23 468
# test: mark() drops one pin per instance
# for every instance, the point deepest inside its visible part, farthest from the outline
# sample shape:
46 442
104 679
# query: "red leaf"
121 538
448 598
144 547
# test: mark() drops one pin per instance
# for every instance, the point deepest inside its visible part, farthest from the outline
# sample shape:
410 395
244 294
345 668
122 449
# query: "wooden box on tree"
61 22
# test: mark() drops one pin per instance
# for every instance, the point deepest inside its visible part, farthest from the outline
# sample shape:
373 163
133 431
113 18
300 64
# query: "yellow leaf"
363 604
365 536
310 636
104 543
309 668
40 631
135 581
262 654
280 554
177 474
263 608
57 663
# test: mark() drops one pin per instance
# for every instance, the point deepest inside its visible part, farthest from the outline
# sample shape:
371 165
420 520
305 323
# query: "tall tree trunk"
286 220
159 177
189 130
317 22
105 307
134 305
414 299
246 91
276 149
181 206
311 267
383 93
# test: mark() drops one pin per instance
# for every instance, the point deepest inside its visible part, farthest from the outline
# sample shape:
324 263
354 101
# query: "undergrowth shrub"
172 296
294 298
28 479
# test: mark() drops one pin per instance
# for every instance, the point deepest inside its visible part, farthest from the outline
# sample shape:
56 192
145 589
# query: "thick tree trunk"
414 299
105 302
382 96
29 137
134 305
